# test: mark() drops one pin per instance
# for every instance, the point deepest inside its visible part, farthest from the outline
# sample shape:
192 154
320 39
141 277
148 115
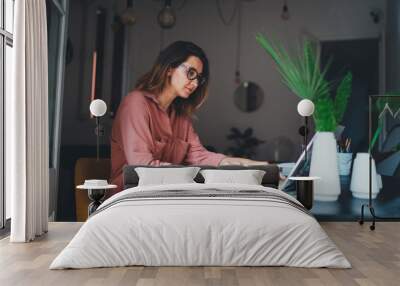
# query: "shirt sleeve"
137 142
197 154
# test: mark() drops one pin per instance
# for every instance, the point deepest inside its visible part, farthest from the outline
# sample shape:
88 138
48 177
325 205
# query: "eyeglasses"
192 74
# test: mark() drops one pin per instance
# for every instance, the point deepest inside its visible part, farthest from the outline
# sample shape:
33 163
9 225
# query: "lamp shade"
305 107
128 17
98 107
166 17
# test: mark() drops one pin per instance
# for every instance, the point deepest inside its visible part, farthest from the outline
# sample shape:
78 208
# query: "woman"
153 123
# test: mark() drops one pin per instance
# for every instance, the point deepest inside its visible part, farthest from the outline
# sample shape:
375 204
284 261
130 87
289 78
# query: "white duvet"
185 231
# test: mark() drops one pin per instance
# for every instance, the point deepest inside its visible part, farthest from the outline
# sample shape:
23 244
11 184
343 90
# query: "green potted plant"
244 143
303 75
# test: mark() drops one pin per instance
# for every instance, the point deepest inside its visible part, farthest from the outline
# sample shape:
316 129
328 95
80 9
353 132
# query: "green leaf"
236 132
376 136
302 74
248 132
324 116
342 95
304 77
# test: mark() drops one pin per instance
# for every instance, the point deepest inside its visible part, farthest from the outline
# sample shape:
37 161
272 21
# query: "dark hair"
172 56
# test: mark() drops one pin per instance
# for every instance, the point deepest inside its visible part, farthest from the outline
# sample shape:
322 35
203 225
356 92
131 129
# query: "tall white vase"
324 165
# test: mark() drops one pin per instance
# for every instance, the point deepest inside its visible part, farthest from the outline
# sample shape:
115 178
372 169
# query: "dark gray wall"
277 120
393 46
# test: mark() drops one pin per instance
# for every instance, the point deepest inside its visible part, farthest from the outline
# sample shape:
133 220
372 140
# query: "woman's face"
187 77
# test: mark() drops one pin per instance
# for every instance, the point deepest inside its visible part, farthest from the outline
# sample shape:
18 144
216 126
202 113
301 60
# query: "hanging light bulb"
128 17
237 77
285 11
166 17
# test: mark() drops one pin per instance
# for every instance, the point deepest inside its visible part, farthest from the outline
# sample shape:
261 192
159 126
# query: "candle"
93 91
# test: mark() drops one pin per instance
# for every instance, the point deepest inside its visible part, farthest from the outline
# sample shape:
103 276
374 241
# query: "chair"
88 168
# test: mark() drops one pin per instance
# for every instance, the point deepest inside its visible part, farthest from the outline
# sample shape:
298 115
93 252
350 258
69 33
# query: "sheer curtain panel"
27 144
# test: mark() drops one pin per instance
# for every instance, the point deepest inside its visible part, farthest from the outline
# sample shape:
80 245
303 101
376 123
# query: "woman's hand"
241 162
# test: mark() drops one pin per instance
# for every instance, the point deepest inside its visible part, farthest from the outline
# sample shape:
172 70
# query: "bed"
201 224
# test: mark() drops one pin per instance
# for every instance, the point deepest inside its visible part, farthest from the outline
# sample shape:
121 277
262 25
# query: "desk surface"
348 208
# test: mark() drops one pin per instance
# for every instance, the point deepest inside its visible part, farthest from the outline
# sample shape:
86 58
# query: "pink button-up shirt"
145 134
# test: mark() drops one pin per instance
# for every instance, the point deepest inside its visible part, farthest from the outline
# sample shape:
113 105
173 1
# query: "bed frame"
271 177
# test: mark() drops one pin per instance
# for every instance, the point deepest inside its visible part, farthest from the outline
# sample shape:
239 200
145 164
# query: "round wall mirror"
248 96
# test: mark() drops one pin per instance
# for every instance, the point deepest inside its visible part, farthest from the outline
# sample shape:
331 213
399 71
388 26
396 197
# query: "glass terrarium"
384 161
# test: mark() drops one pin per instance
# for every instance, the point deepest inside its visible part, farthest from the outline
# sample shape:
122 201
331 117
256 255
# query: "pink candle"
93 91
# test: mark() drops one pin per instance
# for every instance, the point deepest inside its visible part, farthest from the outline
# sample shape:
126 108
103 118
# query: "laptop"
300 168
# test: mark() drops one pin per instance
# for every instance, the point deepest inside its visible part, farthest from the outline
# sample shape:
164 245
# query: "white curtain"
27 145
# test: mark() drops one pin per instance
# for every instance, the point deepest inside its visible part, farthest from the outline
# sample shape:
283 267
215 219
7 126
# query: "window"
6 65
56 18
56 36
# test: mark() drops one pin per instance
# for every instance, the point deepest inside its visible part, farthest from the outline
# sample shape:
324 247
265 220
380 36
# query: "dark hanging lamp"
128 17
285 11
166 18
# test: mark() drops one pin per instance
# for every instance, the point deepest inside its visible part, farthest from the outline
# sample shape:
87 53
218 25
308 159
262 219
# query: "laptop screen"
300 168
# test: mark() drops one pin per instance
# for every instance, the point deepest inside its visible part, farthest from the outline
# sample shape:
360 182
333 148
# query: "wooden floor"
375 257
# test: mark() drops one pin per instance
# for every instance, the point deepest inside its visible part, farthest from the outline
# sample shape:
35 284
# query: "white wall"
277 120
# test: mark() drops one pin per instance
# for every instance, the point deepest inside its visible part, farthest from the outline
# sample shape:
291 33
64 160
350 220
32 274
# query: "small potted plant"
245 143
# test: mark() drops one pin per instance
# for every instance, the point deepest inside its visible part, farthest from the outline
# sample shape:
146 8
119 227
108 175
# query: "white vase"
324 164
359 185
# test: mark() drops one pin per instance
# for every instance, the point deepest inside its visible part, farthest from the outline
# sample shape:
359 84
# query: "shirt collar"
151 96
154 98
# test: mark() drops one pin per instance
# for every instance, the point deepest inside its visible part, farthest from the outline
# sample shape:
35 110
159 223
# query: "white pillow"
248 177
162 176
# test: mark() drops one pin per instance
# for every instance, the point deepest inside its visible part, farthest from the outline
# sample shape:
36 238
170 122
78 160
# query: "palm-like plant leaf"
324 117
248 132
303 75
342 95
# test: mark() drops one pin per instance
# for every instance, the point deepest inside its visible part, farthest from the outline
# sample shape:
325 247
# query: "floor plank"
375 257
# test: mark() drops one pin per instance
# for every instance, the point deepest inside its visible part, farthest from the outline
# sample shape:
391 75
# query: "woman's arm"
134 130
241 161
197 154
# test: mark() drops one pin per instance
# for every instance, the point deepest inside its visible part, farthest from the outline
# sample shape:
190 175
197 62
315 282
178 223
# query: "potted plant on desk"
304 77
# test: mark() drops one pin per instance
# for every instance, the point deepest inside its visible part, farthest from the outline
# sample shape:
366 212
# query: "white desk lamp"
98 108
305 108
